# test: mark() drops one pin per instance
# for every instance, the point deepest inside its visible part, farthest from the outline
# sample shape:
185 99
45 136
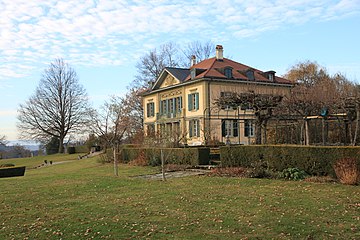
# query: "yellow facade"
182 101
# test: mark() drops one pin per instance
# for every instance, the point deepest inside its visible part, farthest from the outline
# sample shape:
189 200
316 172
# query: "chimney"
219 52
193 60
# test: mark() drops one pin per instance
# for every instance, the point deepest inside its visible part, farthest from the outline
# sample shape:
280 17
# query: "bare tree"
200 50
169 54
261 104
316 91
132 104
151 64
58 107
3 140
111 124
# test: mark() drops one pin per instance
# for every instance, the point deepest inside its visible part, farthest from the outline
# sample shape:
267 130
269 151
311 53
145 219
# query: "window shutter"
197 128
189 102
247 128
161 107
174 105
196 101
190 128
235 128
223 128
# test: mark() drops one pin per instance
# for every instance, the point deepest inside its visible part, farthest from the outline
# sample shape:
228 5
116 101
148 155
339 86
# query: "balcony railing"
160 116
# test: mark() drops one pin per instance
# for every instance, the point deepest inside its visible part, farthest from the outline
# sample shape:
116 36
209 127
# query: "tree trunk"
323 132
61 144
162 164
264 141
116 163
356 132
307 136
258 123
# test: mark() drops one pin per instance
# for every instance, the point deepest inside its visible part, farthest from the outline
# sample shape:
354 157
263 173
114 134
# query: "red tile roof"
214 68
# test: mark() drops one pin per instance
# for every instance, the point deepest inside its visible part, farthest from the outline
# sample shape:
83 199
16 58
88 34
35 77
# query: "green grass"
83 200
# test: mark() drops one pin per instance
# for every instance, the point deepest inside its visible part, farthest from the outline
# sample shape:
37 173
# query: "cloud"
108 32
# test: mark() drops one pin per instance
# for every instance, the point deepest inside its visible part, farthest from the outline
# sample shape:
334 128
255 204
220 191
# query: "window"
228 72
179 104
250 74
271 77
172 105
229 128
249 128
150 109
194 128
193 101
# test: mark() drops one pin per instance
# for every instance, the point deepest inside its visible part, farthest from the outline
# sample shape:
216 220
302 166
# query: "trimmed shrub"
313 160
347 171
179 156
82 149
7 165
71 150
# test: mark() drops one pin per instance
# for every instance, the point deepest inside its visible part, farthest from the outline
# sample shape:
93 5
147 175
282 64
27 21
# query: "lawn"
81 199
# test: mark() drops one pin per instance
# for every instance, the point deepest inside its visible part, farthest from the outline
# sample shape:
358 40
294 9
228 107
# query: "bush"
71 150
258 169
293 174
347 171
82 149
7 165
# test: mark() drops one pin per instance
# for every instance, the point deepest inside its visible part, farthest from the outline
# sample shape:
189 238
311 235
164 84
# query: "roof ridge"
212 64
178 68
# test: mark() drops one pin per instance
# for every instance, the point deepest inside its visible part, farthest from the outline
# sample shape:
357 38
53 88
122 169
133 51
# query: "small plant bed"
12 171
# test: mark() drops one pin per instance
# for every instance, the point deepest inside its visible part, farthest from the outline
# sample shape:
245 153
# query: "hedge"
77 149
315 160
180 156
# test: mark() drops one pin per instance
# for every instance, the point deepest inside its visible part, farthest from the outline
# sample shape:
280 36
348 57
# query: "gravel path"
176 174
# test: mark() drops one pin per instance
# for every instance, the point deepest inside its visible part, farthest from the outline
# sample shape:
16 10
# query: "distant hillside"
29 145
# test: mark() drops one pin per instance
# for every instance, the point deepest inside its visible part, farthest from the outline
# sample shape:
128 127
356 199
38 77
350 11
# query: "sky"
104 39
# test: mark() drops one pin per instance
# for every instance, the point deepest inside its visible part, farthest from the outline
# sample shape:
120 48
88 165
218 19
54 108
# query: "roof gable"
170 76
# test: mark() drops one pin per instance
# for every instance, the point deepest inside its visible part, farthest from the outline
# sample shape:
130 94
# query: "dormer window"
250 74
271 75
228 72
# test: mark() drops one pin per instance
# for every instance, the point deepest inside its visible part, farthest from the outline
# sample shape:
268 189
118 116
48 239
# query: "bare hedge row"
181 156
315 160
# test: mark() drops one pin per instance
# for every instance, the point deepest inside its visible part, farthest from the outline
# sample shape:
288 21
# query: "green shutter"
196 101
189 102
190 128
223 128
235 128
174 105
198 128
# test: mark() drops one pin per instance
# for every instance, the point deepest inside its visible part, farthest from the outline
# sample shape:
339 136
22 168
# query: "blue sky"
103 39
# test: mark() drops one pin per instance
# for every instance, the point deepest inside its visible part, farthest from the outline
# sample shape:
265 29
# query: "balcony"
163 116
